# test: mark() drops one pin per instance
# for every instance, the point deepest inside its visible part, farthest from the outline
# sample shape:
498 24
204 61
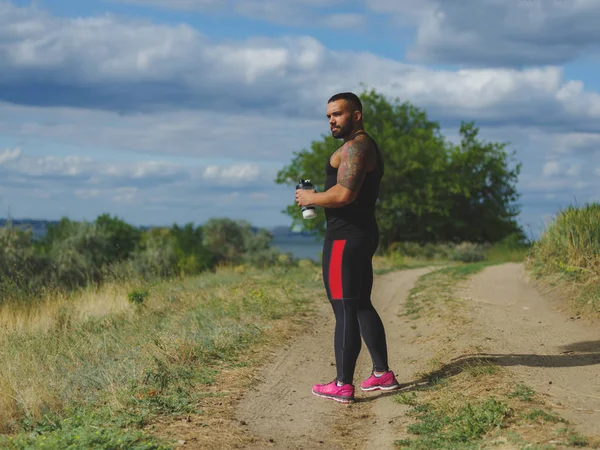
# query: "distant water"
300 247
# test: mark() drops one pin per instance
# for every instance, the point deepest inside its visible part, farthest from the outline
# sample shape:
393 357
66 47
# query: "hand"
304 197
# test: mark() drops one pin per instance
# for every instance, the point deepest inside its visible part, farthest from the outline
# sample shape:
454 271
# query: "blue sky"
163 111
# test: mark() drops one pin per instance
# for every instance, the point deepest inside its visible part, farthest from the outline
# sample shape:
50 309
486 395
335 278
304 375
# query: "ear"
357 116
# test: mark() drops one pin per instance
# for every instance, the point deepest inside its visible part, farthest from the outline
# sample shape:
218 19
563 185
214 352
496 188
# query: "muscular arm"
352 170
351 173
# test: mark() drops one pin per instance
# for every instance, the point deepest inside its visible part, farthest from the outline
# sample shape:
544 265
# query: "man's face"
340 118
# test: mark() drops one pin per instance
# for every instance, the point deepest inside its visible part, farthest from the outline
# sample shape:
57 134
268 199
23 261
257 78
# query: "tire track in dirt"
525 332
281 412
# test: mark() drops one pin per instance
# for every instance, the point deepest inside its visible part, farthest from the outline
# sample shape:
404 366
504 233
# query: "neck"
354 131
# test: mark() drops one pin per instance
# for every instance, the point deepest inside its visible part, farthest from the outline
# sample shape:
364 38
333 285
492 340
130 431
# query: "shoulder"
359 146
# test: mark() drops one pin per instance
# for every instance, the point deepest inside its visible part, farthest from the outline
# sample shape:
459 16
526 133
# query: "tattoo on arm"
352 170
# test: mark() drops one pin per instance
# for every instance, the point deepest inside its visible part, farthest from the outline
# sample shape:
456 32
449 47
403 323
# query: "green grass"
98 370
409 255
455 414
537 415
473 403
522 392
461 429
567 256
436 286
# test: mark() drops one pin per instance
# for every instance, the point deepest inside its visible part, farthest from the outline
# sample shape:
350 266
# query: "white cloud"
574 170
584 144
87 193
288 12
143 192
491 32
198 134
125 194
166 90
551 168
88 176
234 173
10 154
497 32
118 65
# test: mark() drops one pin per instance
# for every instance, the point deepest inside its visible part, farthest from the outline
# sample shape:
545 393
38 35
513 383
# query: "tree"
123 237
483 209
192 256
432 190
237 241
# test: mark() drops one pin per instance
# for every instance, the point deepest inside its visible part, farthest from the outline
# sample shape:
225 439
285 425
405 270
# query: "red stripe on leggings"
335 269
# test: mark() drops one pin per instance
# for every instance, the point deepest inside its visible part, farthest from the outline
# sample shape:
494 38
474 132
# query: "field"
196 361
103 368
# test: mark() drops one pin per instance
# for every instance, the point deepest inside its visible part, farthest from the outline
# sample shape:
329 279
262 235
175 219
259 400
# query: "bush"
572 242
74 254
568 254
464 251
21 268
155 257
137 296
468 252
80 256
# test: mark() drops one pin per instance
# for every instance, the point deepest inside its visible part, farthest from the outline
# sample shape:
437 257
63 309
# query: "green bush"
464 251
137 296
571 243
468 252
79 256
155 257
22 269
568 255
74 254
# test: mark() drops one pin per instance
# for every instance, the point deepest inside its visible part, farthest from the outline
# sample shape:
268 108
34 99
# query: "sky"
176 111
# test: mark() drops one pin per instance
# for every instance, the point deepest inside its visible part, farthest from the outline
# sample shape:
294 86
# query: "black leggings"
348 276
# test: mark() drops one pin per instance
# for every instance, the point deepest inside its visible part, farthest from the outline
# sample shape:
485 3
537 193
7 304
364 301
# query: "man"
353 174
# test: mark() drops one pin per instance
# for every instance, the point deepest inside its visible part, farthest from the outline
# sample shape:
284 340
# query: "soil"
502 317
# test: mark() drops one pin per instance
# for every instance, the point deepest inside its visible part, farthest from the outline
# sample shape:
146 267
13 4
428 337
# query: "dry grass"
469 402
100 360
567 258
218 427
483 405
47 313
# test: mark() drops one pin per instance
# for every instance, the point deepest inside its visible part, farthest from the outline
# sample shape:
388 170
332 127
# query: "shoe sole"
334 397
381 388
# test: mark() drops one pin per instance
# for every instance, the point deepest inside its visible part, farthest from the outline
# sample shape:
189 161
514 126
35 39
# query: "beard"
342 131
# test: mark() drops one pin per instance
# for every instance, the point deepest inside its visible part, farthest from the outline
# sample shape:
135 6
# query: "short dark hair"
349 97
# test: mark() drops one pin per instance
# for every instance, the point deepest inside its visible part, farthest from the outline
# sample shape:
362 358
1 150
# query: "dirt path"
558 356
283 413
504 316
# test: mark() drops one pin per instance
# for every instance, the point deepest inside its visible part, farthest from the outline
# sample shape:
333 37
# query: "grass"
471 402
410 255
462 414
119 366
567 258
436 287
101 369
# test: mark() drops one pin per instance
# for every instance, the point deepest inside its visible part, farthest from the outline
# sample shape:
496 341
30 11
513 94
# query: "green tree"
79 254
429 183
237 241
483 208
156 254
123 237
225 238
192 255
22 270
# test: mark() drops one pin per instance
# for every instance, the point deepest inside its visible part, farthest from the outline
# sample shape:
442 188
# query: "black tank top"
358 217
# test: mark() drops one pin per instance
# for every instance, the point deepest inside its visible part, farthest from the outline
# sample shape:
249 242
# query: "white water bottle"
308 212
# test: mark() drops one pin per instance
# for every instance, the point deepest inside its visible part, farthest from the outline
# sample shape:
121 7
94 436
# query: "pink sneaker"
386 382
342 394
